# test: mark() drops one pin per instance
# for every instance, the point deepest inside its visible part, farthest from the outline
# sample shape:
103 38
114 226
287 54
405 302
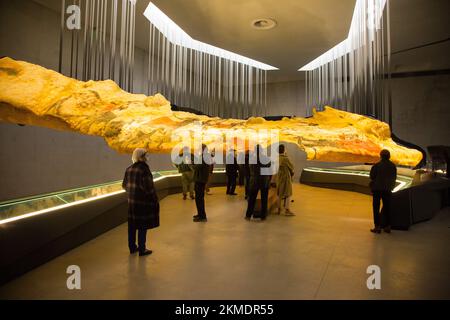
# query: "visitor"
284 181
201 173
143 205
258 182
187 173
231 170
246 173
382 176
241 169
210 174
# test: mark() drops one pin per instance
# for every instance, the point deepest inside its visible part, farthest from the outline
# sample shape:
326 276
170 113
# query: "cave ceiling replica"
33 95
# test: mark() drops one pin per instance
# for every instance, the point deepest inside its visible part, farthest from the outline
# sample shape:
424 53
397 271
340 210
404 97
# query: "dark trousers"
142 238
253 193
231 183
200 199
247 185
241 176
386 211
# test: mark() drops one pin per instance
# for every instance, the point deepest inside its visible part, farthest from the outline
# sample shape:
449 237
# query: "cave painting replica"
33 95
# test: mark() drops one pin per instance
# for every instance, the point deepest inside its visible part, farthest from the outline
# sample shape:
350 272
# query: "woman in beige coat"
284 181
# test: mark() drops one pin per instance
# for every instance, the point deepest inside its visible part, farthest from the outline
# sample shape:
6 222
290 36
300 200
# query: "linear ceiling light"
374 9
177 36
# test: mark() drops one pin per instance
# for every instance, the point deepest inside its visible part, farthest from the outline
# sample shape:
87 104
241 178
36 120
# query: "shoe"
184 197
145 253
263 218
200 219
289 213
376 230
192 197
133 251
196 217
248 218
233 194
387 229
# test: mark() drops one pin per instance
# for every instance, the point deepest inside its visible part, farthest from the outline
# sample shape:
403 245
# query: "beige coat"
284 177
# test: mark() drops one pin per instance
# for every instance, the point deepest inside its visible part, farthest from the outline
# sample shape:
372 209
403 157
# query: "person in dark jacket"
211 171
201 176
143 204
258 182
382 176
246 173
231 170
241 169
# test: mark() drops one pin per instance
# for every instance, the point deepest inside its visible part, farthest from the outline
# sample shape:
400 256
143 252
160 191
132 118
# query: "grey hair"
138 154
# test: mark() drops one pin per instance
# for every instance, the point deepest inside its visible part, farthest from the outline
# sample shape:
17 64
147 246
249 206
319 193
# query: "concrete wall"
421 111
286 98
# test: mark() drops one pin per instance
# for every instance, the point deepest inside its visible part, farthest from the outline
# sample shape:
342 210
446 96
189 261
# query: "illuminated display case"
10 210
357 175
13 210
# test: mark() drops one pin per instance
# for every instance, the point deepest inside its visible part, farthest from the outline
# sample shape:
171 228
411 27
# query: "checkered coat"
143 205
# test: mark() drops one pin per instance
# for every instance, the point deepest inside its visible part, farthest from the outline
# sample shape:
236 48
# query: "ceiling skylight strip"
374 13
178 36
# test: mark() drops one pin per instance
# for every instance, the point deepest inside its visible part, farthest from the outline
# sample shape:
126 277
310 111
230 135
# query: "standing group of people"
143 202
257 180
195 179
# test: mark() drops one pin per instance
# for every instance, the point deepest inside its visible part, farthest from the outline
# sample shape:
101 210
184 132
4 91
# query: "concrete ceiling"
306 28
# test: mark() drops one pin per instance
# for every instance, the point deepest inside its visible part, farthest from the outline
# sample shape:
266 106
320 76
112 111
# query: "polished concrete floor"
321 253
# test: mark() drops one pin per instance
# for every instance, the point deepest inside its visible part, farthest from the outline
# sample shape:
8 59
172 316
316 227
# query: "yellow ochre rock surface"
33 95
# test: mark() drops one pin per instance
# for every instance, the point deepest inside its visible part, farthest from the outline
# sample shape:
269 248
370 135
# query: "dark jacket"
143 205
257 180
246 166
201 172
383 176
231 167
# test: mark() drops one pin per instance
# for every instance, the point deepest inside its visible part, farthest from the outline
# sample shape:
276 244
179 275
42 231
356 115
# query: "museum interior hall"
224 150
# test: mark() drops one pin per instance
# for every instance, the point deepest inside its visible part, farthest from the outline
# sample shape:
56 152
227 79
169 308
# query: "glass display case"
403 181
14 209
26 206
